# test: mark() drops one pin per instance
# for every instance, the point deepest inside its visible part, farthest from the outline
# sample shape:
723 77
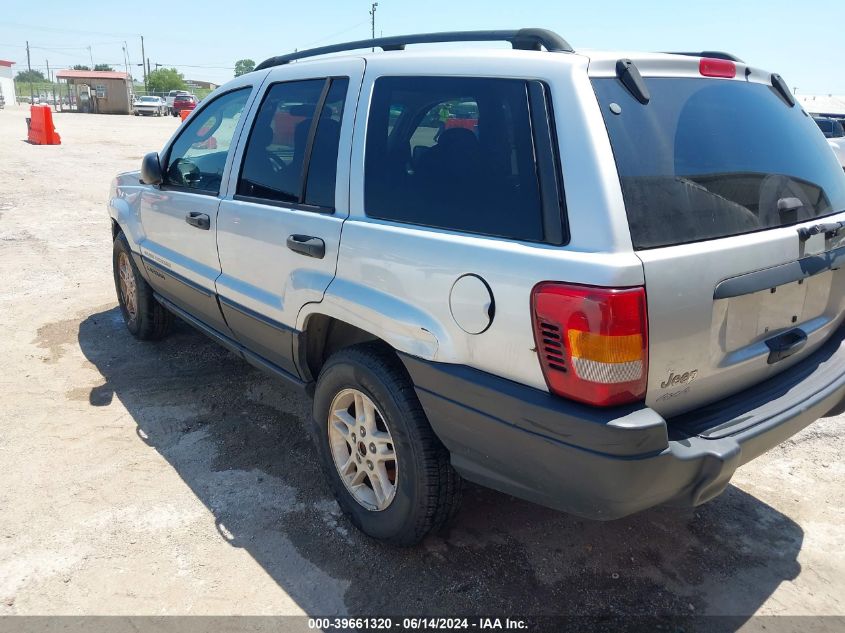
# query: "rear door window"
710 158
456 153
322 166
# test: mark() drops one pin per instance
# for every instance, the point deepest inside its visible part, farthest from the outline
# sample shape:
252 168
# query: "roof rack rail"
710 54
522 39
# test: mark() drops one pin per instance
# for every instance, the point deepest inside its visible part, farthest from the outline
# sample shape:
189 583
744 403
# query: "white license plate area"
752 317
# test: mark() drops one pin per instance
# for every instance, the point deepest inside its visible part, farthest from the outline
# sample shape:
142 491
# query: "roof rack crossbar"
522 39
711 54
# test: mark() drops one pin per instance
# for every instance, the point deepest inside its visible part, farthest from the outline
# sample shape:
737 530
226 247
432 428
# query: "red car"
183 102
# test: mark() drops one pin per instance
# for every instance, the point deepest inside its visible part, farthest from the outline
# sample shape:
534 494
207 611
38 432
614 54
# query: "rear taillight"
592 342
710 67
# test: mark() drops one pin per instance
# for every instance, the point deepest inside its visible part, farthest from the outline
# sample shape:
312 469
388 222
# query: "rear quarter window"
454 153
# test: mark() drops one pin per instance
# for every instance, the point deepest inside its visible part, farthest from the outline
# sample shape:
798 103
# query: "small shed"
7 82
98 91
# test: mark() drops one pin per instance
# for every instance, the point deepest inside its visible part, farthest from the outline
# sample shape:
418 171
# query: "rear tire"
426 491
145 318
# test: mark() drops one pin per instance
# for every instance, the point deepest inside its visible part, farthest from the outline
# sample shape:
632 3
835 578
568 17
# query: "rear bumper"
608 463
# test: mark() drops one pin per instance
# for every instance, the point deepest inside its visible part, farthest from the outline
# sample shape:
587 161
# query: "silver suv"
599 282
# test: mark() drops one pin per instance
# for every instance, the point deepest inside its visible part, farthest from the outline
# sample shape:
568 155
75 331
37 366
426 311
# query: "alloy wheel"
128 288
362 449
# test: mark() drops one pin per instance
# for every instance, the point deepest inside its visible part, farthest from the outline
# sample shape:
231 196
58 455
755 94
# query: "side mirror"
151 169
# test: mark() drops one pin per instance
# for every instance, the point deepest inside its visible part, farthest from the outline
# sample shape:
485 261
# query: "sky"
804 42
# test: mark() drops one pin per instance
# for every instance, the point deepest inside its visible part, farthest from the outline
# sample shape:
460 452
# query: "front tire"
145 318
388 470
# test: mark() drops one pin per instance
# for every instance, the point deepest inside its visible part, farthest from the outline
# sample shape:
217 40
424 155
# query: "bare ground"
172 478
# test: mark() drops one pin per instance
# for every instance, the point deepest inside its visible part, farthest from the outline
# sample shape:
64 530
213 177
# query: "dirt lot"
172 478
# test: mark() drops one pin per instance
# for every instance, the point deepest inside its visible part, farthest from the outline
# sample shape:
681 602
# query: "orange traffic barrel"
184 113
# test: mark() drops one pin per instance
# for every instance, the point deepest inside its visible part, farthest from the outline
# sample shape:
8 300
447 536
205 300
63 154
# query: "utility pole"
52 86
373 21
29 71
128 62
143 57
91 55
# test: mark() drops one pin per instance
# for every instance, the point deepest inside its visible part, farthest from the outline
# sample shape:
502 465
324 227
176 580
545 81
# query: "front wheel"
387 468
145 318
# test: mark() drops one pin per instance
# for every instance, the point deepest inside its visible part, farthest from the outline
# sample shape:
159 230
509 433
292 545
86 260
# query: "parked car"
171 96
183 102
151 105
557 303
834 132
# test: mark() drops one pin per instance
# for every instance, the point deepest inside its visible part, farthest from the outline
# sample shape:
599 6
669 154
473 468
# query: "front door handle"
307 245
199 220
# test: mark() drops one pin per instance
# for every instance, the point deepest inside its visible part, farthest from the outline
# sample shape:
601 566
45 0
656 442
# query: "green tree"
30 76
105 67
244 66
165 80
80 67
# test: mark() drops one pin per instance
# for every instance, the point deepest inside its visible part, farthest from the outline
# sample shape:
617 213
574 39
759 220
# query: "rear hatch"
718 175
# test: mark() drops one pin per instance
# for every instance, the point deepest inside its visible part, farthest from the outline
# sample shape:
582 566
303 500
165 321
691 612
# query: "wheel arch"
322 336
122 208
323 332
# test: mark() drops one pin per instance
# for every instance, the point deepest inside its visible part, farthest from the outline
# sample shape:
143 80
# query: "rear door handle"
307 245
199 220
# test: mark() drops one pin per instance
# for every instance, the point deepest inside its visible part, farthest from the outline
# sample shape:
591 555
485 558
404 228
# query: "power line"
333 35
58 30
197 66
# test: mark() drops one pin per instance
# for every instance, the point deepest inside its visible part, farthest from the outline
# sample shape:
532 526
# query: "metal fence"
62 98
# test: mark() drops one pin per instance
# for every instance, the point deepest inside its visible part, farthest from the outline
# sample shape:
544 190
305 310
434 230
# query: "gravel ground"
172 478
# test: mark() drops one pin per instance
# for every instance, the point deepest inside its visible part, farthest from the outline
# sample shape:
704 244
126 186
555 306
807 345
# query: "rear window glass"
709 158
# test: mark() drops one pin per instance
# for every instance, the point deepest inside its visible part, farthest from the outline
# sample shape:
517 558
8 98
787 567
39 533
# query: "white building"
823 104
7 84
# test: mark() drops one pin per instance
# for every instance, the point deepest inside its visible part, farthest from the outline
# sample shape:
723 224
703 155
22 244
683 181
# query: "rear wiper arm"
830 229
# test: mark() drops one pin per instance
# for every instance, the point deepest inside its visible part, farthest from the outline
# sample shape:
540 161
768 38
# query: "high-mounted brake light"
592 342
711 67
